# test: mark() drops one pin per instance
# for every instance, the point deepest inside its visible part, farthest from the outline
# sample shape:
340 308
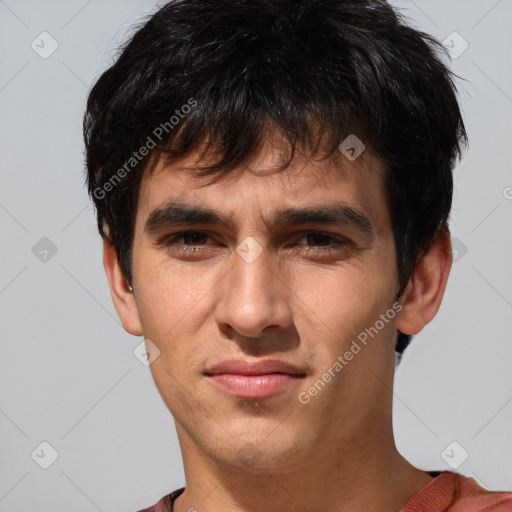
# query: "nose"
253 296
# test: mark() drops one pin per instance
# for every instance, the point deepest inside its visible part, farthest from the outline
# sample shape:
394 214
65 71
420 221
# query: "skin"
296 302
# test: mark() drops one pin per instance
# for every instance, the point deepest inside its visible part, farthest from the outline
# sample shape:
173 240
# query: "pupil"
317 236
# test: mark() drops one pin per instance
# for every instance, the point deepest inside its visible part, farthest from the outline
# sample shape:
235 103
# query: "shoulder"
166 503
454 492
161 506
469 496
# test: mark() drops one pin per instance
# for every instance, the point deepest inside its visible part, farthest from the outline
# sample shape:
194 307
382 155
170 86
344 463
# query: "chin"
261 455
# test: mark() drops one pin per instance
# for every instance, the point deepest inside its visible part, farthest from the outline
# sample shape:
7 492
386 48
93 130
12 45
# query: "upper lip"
241 367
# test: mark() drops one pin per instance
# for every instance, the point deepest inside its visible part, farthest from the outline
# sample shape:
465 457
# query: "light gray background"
68 374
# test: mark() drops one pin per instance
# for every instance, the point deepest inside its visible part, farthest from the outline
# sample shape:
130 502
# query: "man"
272 180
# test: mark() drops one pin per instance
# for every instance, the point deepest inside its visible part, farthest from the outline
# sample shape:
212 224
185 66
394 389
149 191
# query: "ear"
425 290
122 295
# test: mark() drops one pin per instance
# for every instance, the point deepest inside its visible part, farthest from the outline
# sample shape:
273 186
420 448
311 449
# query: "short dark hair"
312 69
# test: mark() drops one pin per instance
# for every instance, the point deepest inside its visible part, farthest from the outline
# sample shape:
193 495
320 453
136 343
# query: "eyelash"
171 240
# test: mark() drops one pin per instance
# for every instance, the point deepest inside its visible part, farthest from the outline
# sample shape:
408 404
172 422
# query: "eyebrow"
179 213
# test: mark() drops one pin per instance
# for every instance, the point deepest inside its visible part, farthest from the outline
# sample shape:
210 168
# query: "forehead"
304 176
358 183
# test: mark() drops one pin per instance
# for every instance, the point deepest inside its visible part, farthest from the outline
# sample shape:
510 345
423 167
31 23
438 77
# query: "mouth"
260 379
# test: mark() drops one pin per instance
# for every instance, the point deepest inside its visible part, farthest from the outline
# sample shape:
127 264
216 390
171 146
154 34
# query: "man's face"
269 286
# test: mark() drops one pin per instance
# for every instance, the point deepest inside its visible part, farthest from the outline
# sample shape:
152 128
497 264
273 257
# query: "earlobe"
122 293
426 287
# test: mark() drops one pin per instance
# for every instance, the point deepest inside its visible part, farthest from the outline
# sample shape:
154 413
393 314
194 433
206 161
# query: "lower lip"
254 386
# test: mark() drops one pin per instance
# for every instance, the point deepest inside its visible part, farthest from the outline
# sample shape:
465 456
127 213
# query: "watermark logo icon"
44 45
249 454
459 249
44 455
44 250
146 352
352 147
456 45
454 455
249 250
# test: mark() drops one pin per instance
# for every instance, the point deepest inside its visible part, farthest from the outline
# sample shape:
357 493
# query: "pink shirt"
447 492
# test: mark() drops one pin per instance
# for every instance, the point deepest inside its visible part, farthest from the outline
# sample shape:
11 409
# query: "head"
261 124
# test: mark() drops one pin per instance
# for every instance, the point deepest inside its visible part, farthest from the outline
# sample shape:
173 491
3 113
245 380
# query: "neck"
363 471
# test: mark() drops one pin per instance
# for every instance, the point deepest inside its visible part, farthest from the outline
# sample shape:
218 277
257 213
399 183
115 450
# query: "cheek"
174 303
338 304
337 307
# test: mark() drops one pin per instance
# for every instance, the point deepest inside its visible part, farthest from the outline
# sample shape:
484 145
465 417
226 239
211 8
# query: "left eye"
321 239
